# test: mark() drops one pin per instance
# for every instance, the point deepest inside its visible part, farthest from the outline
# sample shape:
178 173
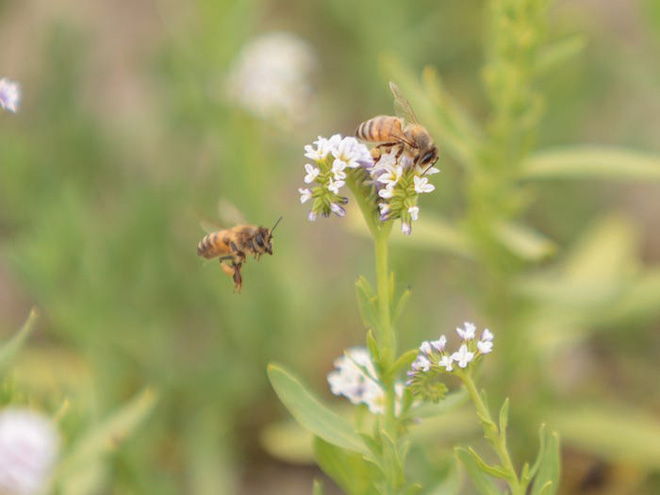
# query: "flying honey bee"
392 133
232 246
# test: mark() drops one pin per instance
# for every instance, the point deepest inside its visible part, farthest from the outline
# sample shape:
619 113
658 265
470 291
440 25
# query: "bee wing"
229 214
401 105
209 226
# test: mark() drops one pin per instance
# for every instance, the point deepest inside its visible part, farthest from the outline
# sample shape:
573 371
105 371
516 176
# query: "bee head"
429 157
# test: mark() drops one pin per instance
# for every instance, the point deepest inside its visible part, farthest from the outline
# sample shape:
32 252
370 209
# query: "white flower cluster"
332 157
434 359
10 95
28 450
398 185
272 78
355 379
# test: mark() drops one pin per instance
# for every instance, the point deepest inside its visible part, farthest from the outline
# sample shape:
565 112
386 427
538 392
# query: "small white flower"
337 210
28 450
439 345
335 185
487 336
352 153
10 95
463 356
312 173
468 333
414 212
446 361
338 167
391 175
422 363
425 347
305 194
431 171
385 209
422 185
484 347
387 192
311 216
406 228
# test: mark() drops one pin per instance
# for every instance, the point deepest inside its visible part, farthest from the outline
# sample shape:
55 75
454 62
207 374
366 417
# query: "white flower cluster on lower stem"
434 359
10 95
333 159
28 450
354 377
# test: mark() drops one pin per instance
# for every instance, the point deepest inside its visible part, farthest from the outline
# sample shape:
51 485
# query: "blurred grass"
101 201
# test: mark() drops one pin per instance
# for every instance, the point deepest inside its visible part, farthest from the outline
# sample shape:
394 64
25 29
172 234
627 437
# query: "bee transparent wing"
229 214
209 226
402 107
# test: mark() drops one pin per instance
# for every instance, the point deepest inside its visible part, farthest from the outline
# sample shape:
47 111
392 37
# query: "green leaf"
494 471
413 489
10 348
504 417
436 234
539 456
546 481
311 413
483 483
523 241
372 345
349 470
403 362
367 303
318 487
105 437
400 305
556 54
450 483
612 432
392 458
592 162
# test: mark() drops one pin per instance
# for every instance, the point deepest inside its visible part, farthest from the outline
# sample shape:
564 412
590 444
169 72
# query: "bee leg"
238 280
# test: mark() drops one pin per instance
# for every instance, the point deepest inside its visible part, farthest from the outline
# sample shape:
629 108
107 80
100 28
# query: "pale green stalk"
493 434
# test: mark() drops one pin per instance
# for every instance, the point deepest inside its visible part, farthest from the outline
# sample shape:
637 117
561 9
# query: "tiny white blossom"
391 175
385 209
425 347
10 95
432 170
422 363
414 212
337 210
312 173
439 345
338 167
28 450
311 216
487 335
352 153
387 192
422 185
468 333
335 185
484 346
305 194
446 361
406 228
463 356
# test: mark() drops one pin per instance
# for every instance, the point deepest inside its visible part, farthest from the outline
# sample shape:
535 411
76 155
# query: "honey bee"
392 133
232 246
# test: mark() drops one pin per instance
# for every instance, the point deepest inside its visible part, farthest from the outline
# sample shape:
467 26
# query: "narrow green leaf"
494 471
541 452
10 348
525 475
523 241
482 482
349 470
393 463
372 345
558 53
107 436
504 417
401 304
436 234
318 487
311 413
592 162
547 478
403 362
367 303
413 489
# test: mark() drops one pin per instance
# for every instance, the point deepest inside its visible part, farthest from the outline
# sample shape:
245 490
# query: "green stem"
492 433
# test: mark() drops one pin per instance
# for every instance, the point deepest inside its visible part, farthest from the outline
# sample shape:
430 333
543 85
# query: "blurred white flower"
305 194
422 185
10 95
28 450
312 173
272 78
468 332
463 356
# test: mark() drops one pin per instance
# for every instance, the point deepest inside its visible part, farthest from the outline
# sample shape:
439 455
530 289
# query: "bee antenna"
276 223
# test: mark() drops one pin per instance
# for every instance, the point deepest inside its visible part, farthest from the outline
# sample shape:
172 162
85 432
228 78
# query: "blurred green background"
126 142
